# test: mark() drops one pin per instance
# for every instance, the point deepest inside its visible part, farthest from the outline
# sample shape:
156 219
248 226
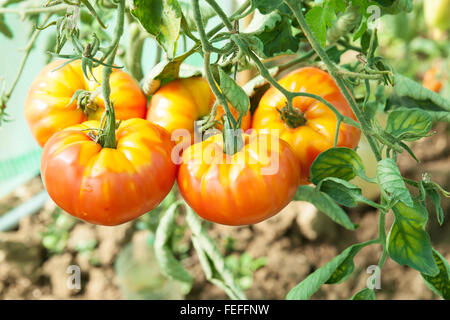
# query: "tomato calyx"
293 117
85 101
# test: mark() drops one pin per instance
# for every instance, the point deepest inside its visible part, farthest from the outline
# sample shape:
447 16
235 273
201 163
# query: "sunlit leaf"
408 124
234 93
391 181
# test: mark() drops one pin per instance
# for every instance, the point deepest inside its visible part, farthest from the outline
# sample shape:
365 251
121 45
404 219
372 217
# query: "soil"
295 242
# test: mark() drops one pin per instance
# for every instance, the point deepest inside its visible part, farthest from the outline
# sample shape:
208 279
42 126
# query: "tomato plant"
319 80
49 106
109 186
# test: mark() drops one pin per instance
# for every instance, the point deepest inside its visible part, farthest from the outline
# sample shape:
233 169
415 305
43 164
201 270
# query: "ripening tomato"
48 108
431 80
179 103
318 131
104 185
245 188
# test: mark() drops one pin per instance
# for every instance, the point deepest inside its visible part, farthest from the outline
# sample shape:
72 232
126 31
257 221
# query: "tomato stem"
107 136
293 117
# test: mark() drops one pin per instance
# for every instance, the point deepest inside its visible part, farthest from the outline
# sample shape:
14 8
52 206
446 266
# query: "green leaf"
234 93
440 283
162 19
188 13
319 19
408 124
266 6
325 204
408 89
165 257
343 192
364 294
391 181
343 163
279 40
346 267
435 197
305 289
4 28
262 22
408 242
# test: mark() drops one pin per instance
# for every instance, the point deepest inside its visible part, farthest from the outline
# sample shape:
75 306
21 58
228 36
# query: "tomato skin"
47 108
232 190
181 102
318 133
109 186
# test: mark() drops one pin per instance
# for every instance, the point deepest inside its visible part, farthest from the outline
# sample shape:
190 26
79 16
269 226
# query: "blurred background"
38 241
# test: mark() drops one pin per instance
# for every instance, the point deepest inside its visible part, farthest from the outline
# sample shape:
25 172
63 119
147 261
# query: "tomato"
248 187
431 80
318 132
179 103
104 185
48 108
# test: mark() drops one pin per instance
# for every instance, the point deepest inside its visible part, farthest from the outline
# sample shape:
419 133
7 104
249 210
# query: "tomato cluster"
109 186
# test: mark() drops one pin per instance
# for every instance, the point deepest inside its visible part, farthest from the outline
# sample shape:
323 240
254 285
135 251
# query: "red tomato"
318 132
248 187
109 186
48 108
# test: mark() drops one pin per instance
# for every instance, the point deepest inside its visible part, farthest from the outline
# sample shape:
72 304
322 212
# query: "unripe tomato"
104 185
48 108
181 102
318 132
245 188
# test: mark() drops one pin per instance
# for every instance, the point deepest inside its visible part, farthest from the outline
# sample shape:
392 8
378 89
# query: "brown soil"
296 242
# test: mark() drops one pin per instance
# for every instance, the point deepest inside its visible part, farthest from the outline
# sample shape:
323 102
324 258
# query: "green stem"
109 135
33 11
133 56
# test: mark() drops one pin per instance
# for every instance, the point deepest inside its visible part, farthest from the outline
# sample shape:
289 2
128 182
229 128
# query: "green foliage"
162 19
408 124
440 283
56 235
243 268
234 93
364 294
391 181
408 242
325 204
343 163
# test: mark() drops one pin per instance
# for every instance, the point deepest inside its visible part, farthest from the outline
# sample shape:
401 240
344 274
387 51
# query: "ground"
295 242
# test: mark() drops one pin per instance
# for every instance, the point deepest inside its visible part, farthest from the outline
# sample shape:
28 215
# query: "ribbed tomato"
318 132
104 185
48 108
179 103
248 187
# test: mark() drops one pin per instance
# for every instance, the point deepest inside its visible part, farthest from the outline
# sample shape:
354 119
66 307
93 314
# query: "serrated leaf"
440 283
188 13
391 181
408 89
345 269
408 242
342 163
325 204
165 257
258 82
162 19
234 93
305 289
266 6
364 294
408 124
343 192
319 19
279 40
262 22
435 197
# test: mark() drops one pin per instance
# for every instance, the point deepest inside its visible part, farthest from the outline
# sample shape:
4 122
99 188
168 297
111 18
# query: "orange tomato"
248 187
48 108
431 81
318 132
109 186
179 103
